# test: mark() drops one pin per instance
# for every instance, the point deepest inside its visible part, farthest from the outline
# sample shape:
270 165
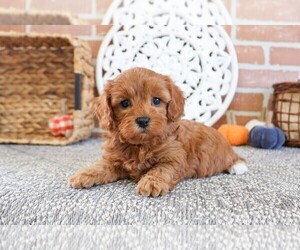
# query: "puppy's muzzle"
143 122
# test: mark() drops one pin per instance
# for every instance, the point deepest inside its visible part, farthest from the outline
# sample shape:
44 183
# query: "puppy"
148 142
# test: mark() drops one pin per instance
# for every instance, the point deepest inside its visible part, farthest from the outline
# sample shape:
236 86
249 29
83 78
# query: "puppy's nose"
143 122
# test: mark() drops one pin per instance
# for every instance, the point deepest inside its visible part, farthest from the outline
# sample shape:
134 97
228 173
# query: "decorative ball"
235 134
61 125
267 138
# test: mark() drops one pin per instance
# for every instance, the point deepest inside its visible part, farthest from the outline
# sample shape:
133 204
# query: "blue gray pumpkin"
268 138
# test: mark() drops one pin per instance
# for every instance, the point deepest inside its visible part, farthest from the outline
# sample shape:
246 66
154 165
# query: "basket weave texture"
37 71
13 16
286 106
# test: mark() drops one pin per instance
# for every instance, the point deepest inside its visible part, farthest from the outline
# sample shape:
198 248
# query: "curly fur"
168 151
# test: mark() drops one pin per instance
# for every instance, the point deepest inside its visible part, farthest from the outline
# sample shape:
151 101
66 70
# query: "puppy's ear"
176 105
103 110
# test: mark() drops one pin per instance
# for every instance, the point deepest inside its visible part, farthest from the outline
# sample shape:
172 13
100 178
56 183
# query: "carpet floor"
34 191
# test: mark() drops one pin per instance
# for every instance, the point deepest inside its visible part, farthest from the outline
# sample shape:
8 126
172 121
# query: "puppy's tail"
238 168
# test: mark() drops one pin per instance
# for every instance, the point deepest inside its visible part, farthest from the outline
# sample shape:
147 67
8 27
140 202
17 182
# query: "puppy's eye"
155 101
125 103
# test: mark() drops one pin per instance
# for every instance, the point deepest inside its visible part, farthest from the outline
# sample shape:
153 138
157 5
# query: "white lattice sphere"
201 60
196 12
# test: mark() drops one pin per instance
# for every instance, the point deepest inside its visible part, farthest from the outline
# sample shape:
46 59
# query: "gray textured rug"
33 190
149 237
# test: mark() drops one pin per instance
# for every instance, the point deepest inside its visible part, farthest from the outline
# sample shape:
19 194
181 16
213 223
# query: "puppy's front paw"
81 180
149 186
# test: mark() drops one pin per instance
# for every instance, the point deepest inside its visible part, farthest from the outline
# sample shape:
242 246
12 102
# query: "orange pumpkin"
235 134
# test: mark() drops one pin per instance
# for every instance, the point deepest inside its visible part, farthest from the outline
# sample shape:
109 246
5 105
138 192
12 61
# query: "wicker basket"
19 17
36 72
286 106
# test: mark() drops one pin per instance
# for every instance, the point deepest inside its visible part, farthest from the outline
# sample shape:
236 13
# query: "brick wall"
266 35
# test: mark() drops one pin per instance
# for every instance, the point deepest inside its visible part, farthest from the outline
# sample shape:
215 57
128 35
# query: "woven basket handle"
78 90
